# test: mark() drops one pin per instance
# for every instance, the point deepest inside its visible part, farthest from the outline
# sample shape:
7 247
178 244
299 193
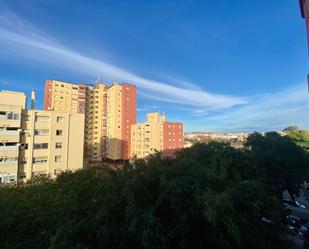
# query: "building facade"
65 97
304 7
51 142
96 123
11 106
36 142
156 135
121 114
109 111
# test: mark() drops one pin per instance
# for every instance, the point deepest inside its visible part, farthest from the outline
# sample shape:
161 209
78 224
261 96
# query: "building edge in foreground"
304 9
37 142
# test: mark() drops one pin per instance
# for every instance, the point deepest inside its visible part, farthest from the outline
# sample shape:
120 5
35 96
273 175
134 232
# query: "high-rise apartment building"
156 135
65 97
121 114
96 123
36 142
110 111
51 142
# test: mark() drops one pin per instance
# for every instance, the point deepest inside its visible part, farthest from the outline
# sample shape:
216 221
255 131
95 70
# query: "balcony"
10 123
9 136
9 148
9 164
9 133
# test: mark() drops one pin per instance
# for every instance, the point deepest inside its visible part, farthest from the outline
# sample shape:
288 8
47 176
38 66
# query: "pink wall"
173 139
128 118
48 95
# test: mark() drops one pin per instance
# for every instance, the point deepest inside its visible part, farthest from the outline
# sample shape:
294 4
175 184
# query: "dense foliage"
301 138
209 196
298 136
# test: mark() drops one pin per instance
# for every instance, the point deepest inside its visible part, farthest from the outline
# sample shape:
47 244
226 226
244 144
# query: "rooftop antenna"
98 81
32 99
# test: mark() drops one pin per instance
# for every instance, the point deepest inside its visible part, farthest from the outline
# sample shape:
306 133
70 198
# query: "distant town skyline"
216 66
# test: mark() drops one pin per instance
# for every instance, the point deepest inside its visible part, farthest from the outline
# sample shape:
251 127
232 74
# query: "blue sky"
215 65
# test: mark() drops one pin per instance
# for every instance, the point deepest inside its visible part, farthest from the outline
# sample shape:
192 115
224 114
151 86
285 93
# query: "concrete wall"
66 130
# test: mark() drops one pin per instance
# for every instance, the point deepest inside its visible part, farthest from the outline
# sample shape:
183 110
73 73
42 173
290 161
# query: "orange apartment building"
109 113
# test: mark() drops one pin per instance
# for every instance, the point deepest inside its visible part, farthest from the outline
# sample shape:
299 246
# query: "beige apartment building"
64 97
51 142
121 114
114 108
109 113
147 138
96 123
156 135
11 106
36 142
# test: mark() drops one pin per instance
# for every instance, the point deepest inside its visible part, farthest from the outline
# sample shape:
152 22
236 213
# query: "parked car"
297 225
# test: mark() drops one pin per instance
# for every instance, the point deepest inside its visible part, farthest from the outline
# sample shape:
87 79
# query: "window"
41 132
13 116
41 146
59 119
42 118
10 115
42 159
57 159
9 179
16 116
10 144
10 128
58 145
57 172
59 132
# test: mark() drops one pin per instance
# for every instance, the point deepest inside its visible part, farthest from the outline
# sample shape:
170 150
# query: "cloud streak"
269 111
20 38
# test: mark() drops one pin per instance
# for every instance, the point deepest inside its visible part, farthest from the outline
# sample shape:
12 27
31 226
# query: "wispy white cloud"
19 38
267 112
147 108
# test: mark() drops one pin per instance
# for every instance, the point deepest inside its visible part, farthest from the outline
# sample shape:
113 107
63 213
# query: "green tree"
282 163
209 196
300 137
